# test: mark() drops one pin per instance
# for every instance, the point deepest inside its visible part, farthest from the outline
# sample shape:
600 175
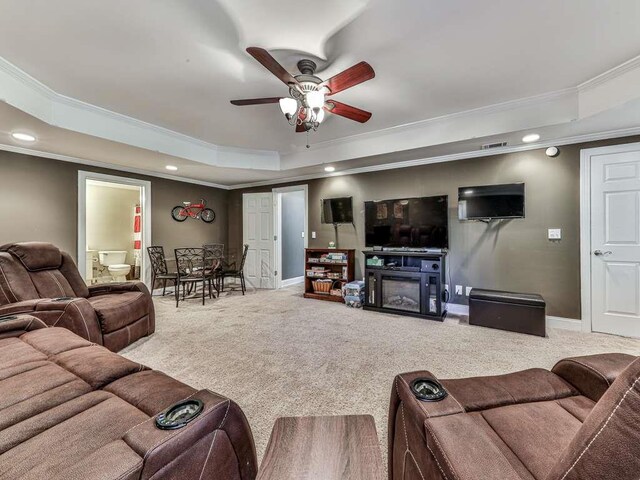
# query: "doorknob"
600 253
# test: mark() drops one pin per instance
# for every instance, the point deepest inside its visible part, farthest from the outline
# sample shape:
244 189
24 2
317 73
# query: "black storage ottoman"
515 312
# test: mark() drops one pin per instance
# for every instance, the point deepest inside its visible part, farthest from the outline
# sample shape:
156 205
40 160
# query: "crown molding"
572 140
107 166
420 124
610 74
26 93
353 171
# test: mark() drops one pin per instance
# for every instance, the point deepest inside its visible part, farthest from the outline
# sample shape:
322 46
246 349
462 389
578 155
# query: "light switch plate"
555 234
458 289
313 234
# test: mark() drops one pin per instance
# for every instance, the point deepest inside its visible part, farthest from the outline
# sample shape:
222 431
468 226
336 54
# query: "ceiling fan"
307 102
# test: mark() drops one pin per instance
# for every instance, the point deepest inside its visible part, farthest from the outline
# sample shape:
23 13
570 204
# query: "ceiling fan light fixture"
320 116
289 106
315 99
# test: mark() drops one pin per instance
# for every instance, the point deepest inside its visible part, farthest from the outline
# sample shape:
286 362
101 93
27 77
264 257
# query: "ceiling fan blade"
359 73
270 63
256 101
347 111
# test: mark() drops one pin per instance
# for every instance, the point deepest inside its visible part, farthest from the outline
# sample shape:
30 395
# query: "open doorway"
291 227
113 228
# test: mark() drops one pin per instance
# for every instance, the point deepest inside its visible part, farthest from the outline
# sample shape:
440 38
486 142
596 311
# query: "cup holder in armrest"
62 299
428 390
7 318
178 415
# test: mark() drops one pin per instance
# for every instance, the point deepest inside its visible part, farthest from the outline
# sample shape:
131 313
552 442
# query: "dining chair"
215 256
233 271
159 270
191 264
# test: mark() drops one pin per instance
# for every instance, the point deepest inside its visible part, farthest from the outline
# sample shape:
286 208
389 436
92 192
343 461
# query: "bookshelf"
333 267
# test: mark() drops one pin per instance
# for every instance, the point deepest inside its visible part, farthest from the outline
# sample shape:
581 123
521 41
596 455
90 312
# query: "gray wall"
39 201
509 255
292 227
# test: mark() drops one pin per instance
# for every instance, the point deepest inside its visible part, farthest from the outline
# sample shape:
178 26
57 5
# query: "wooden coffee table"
323 448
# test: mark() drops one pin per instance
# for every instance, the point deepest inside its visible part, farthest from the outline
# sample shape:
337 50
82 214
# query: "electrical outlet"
458 289
446 287
313 234
468 291
554 234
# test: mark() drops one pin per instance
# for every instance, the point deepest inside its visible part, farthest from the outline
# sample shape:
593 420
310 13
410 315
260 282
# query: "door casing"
277 228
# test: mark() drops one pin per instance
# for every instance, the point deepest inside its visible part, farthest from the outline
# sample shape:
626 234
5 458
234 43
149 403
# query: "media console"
406 283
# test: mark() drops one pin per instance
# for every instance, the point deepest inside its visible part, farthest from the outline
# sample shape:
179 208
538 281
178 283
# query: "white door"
257 228
615 241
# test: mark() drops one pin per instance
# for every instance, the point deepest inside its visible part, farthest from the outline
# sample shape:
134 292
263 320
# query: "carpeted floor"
278 354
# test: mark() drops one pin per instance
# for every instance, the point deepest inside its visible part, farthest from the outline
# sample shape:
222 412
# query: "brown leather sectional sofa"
73 410
37 278
579 421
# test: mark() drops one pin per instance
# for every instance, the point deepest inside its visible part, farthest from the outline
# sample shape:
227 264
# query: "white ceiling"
176 64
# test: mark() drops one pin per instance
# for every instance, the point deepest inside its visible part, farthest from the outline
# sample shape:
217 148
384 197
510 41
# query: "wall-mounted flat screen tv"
491 202
337 210
409 222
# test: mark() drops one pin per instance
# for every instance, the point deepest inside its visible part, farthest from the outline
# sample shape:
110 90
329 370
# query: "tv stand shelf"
345 270
406 282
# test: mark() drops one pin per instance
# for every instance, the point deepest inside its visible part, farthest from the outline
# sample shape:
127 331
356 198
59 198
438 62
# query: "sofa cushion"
15 283
73 436
51 284
96 365
150 391
116 311
52 341
491 444
533 385
35 255
549 430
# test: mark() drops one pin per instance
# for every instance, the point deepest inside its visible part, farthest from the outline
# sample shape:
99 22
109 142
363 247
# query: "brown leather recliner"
37 278
579 421
74 410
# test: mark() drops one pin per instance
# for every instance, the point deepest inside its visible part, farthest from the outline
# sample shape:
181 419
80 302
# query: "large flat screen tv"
337 210
409 222
491 202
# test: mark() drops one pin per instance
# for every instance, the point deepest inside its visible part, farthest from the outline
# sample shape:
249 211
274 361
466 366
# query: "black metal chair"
192 267
233 271
215 257
159 270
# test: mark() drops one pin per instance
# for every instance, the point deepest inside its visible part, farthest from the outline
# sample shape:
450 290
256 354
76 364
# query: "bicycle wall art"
194 210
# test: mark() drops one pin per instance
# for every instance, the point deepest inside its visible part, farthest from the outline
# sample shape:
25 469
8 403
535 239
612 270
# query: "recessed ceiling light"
532 137
329 169
173 168
24 137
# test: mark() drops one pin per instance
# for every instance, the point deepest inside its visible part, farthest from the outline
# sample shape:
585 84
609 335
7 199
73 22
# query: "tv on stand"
405 272
412 224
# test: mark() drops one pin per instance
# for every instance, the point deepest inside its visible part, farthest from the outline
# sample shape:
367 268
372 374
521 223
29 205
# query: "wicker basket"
322 286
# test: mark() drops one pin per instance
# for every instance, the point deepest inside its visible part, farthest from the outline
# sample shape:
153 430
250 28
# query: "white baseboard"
291 281
574 324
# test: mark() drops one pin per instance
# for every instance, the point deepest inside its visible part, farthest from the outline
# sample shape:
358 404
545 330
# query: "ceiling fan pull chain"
308 139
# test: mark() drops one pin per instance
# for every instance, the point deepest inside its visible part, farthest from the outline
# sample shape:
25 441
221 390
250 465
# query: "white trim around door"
145 203
277 228
585 224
